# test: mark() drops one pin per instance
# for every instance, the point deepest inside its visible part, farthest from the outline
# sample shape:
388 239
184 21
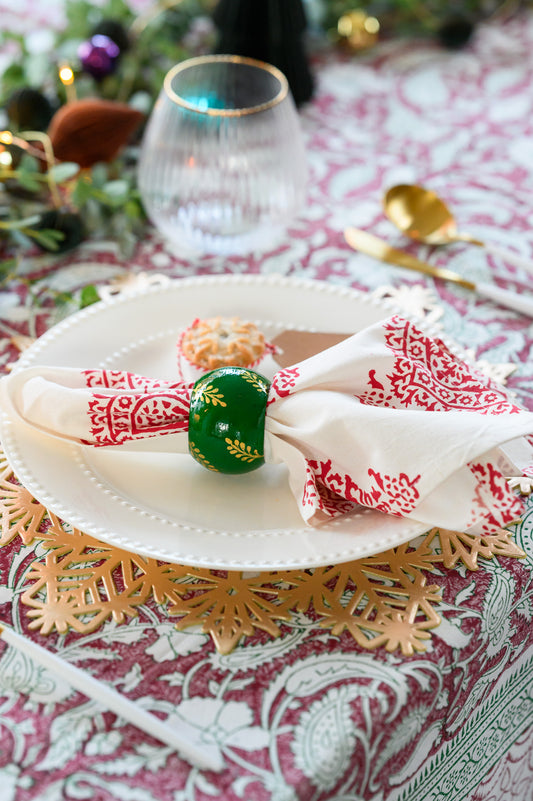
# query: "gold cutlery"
422 215
372 246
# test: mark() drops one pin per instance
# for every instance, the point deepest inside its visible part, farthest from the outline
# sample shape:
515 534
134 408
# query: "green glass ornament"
227 420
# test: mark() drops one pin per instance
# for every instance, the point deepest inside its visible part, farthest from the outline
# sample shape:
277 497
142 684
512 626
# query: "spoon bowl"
422 215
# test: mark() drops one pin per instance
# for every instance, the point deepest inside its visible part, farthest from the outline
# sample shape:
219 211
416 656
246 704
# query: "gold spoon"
422 215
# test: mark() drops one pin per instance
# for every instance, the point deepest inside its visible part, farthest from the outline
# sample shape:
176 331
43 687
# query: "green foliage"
105 196
412 17
154 49
89 295
46 237
82 16
28 174
7 270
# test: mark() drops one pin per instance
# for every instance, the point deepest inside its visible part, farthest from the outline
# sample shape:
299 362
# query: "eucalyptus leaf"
99 175
28 164
64 171
48 238
117 191
26 222
62 299
36 66
68 51
81 193
13 77
77 15
28 173
105 198
142 101
133 209
126 242
7 267
89 295
28 181
20 238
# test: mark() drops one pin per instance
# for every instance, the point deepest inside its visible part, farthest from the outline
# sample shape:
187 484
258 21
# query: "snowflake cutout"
499 372
414 301
131 283
524 484
381 601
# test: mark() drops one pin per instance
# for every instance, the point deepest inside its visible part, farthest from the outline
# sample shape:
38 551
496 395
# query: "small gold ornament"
357 30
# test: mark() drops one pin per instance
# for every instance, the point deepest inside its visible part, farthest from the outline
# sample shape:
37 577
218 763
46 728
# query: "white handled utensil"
113 700
372 246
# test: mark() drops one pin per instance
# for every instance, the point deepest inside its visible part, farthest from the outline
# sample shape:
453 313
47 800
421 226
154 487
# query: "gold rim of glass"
226 112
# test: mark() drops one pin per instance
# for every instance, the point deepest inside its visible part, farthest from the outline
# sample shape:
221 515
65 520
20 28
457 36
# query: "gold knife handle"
372 246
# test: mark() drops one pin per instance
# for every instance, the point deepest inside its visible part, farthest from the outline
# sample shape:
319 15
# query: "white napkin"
388 419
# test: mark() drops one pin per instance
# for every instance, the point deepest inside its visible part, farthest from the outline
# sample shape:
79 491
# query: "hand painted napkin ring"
227 420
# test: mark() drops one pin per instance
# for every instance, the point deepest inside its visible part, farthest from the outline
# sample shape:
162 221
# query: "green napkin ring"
227 420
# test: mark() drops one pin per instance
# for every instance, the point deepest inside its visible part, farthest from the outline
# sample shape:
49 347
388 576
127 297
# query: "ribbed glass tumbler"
222 167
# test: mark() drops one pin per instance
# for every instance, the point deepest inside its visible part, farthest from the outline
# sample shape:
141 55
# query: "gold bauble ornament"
357 30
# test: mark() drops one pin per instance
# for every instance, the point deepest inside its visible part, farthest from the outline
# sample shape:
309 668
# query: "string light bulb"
24 141
66 76
6 159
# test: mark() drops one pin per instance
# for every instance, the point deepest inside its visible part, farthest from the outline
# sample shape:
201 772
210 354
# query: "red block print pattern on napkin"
492 485
332 494
146 407
283 384
426 375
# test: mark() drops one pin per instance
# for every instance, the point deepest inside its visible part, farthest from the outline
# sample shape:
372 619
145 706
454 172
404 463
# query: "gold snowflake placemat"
382 600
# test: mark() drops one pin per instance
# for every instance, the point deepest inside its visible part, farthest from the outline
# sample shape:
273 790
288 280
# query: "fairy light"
372 25
66 76
7 138
24 140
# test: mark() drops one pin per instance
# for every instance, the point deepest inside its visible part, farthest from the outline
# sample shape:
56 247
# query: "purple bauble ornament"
98 56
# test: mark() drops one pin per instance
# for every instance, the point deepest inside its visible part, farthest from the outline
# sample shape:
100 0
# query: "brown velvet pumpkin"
92 130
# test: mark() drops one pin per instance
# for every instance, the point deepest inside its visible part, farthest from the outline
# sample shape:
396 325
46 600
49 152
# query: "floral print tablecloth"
311 716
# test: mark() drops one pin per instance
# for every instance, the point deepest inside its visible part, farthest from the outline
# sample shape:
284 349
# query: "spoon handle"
510 257
512 300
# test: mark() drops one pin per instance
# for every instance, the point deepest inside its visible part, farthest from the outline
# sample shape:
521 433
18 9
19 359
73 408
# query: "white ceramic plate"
166 505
